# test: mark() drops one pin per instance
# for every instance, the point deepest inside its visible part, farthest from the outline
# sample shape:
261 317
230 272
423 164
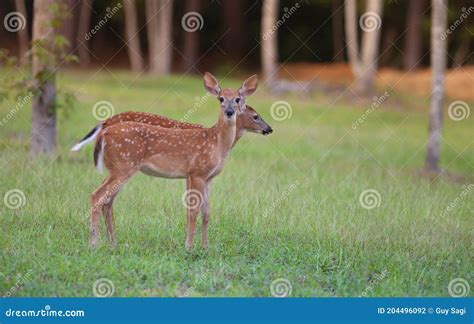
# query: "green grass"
285 206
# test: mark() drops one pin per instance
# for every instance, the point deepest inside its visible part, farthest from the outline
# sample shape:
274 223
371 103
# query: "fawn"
196 154
247 120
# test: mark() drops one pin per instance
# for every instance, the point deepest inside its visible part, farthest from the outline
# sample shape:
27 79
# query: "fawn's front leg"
194 198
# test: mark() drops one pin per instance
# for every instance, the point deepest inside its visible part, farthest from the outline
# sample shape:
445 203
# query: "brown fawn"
197 155
248 120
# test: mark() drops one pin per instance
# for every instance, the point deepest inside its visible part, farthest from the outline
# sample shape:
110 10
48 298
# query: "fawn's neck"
225 129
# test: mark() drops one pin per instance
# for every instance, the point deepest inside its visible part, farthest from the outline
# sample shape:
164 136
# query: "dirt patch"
458 81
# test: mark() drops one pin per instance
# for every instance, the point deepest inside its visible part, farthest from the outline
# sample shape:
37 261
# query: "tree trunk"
23 39
132 36
337 22
82 32
269 44
438 66
370 47
69 24
413 36
43 134
462 52
390 37
165 24
191 39
151 11
234 28
352 26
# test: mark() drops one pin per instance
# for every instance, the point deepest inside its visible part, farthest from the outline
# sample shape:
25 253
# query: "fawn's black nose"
229 112
267 131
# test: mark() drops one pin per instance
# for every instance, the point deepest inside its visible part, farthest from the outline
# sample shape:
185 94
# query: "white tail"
88 138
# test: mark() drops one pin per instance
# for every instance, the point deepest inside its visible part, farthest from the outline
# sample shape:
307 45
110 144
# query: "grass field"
286 206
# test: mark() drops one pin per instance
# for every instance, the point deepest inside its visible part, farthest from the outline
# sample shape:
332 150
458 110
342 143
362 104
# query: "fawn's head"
231 101
253 122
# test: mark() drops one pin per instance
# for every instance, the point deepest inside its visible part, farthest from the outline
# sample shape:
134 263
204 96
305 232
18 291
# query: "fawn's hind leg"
104 196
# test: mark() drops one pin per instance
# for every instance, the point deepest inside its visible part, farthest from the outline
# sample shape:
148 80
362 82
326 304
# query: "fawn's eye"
221 99
237 100
255 117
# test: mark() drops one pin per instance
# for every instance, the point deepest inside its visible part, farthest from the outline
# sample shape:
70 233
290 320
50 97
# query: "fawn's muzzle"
267 131
229 112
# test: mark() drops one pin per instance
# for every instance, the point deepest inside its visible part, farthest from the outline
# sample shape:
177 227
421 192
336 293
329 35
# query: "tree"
413 35
364 68
350 13
438 67
269 44
233 28
337 21
43 134
159 20
23 39
132 36
82 30
191 39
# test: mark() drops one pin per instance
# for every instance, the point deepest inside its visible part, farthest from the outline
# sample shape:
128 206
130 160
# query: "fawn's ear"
211 84
249 86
